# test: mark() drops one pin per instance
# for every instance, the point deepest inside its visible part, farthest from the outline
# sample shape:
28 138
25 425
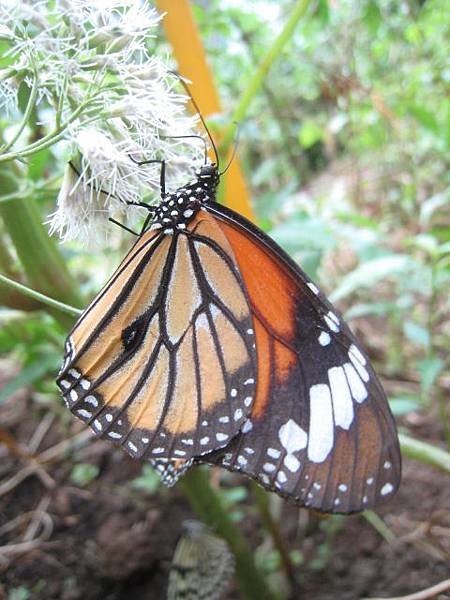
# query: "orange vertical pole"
181 31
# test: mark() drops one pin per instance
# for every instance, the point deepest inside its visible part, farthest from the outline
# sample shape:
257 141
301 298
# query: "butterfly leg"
123 226
162 178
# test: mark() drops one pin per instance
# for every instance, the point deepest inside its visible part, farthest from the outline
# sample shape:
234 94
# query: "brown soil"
109 540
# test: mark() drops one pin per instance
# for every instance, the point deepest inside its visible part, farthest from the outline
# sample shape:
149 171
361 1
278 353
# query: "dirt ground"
109 540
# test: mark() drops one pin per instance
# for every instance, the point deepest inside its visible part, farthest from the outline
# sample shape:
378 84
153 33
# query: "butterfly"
209 344
202 565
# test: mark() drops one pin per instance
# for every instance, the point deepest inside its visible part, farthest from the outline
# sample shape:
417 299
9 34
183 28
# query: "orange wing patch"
276 302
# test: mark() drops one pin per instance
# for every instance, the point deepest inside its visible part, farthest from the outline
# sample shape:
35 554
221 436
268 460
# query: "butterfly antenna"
179 137
188 92
236 144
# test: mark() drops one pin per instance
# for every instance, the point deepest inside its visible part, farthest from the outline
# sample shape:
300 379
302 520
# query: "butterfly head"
208 177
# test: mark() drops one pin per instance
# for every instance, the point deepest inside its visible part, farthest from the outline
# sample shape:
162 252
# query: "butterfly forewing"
163 360
320 430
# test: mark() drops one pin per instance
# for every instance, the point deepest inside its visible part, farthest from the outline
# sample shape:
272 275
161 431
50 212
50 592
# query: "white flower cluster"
96 82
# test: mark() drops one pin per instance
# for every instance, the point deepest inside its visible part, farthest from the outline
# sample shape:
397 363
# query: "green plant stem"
260 74
425 452
29 109
262 502
41 260
207 504
26 291
379 525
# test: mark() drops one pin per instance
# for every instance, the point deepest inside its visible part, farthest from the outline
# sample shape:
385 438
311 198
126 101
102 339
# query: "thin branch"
379 525
426 453
257 80
30 106
427 594
26 291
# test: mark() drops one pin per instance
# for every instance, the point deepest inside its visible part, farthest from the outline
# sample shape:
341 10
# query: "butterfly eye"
132 335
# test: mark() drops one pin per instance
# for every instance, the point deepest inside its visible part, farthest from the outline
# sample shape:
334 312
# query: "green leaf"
29 375
149 481
425 118
370 273
83 474
19 593
309 134
430 369
372 17
416 334
402 405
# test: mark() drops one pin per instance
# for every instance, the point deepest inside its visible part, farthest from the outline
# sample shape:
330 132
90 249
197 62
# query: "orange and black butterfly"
209 344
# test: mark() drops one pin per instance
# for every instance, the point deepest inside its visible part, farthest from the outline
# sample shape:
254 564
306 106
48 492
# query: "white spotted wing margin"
158 362
202 565
321 432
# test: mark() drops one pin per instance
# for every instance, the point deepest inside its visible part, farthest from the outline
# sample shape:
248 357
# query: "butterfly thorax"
178 208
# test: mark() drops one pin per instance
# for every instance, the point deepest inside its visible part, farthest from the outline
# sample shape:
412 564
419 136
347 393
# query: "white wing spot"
291 462
342 399
281 477
273 453
98 425
91 400
114 435
132 446
109 417
249 381
84 413
66 384
357 387
386 489
269 467
387 465
221 437
242 460
180 453
233 393
248 401
157 450
224 419
321 426
313 287
249 450
85 384
369 481
204 441
357 353
332 321
188 442
73 395
292 437
342 487
324 338
238 414
248 426
363 373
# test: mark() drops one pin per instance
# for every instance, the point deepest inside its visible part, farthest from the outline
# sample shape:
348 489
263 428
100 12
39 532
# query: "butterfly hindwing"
162 359
320 430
